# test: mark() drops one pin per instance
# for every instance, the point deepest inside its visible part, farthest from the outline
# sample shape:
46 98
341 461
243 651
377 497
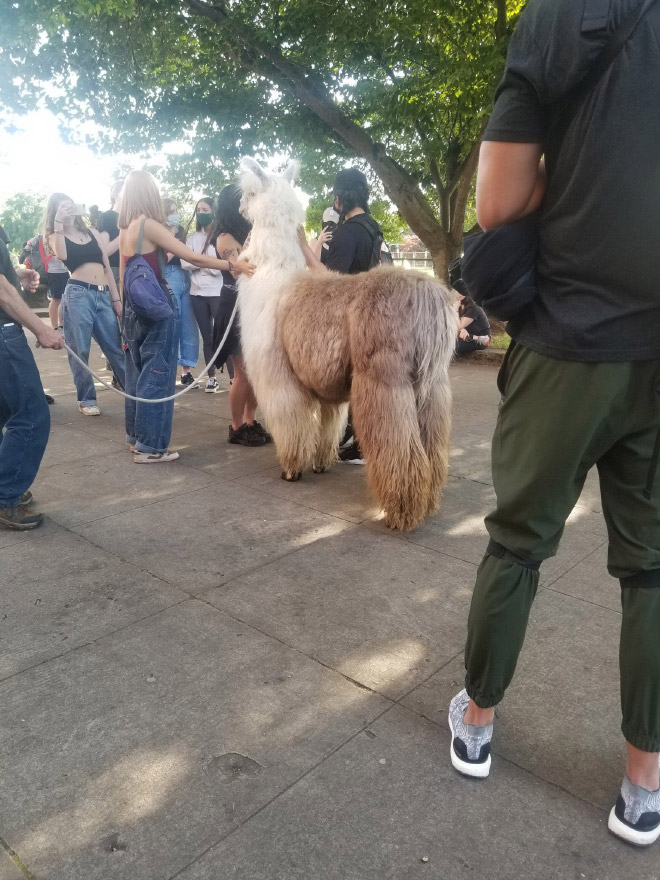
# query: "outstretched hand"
244 267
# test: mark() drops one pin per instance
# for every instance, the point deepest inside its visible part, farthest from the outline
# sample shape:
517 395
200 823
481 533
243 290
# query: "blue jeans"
24 416
150 373
87 314
179 281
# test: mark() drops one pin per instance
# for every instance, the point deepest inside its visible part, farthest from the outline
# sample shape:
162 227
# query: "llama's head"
269 200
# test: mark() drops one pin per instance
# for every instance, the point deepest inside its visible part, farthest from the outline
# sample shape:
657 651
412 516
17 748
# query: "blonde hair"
139 197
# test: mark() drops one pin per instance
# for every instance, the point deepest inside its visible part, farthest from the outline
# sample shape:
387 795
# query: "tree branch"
398 184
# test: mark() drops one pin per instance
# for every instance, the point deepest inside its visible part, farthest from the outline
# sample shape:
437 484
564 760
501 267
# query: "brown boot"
18 518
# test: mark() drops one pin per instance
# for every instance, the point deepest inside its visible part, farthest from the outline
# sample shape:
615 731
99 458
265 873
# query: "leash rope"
172 396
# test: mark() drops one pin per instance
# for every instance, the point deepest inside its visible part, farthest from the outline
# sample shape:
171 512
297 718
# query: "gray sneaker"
636 815
470 745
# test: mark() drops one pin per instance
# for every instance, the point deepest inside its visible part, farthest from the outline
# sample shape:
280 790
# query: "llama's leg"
434 416
386 426
291 417
331 427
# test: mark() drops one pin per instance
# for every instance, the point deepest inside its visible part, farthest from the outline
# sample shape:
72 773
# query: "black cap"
348 179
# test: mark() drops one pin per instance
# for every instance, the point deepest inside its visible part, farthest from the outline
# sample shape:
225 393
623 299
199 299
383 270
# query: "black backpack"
380 253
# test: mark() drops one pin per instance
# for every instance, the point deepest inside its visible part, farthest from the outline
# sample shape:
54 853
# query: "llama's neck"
274 250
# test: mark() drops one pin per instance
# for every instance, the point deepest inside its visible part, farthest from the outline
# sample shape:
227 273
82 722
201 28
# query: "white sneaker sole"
476 771
625 832
147 458
352 461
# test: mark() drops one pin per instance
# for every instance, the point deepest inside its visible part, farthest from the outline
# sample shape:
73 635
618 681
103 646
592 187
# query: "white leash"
172 396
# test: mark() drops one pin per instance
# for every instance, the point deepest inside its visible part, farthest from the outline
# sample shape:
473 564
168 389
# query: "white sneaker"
92 410
154 457
212 385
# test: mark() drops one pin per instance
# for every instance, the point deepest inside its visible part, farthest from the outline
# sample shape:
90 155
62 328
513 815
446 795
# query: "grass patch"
501 341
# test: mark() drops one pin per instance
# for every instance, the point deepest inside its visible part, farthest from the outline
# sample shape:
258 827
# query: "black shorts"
56 283
232 344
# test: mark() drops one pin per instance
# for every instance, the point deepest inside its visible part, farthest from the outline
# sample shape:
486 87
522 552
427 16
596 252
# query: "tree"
20 215
404 86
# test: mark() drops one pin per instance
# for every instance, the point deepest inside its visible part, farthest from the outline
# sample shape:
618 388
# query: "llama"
313 340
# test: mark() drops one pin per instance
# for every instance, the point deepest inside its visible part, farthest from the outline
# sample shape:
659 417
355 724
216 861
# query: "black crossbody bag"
499 266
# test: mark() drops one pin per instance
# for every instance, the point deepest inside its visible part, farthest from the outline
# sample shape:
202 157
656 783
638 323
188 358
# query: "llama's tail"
434 331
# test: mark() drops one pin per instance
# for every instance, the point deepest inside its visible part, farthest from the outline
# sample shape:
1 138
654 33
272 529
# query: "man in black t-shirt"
581 381
24 418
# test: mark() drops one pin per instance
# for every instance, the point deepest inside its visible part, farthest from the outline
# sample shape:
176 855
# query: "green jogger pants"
558 419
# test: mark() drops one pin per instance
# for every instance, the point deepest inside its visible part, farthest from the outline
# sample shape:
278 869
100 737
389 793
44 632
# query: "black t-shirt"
350 248
599 260
107 222
480 325
7 269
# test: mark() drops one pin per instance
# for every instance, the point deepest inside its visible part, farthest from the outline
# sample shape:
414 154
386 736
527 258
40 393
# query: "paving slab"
388 806
356 603
71 444
560 718
219 533
128 758
458 529
110 485
8 868
210 452
341 491
65 592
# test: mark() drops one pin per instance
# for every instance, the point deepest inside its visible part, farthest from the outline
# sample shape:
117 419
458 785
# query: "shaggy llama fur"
312 341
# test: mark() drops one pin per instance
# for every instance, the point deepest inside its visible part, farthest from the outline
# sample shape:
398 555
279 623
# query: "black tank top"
77 254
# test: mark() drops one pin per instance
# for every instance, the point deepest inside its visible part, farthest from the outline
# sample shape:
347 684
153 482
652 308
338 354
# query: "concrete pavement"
207 673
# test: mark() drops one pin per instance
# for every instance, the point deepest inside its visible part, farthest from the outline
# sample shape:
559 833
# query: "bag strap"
609 54
372 228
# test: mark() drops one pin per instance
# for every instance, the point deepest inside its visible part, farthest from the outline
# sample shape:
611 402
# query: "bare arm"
109 277
465 321
111 247
163 238
510 182
11 303
311 260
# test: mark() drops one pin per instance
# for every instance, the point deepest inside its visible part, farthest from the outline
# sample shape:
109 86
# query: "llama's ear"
292 171
248 164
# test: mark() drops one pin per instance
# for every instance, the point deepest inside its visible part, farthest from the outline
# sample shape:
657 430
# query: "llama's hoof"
319 468
291 476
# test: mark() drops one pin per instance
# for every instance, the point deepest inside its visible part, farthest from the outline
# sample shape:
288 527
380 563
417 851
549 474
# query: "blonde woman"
90 302
151 358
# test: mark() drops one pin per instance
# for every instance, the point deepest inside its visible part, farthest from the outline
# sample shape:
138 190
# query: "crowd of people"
85 263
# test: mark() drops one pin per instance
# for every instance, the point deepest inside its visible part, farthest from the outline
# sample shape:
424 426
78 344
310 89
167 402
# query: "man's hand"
462 333
116 307
49 338
29 279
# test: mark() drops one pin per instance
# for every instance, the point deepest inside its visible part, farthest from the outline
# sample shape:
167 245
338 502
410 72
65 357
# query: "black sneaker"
348 437
258 428
636 815
245 436
351 454
17 518
50 400
188 379
212 385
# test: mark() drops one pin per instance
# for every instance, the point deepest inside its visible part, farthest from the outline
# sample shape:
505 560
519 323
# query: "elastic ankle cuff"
484 702
641 741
